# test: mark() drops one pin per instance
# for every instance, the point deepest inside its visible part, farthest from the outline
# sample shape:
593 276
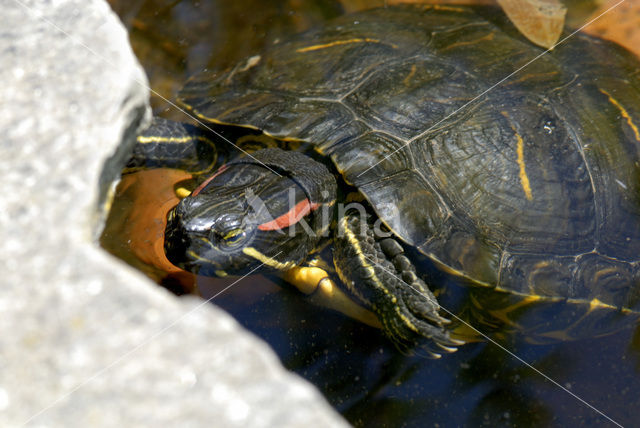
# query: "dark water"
481 384
356 368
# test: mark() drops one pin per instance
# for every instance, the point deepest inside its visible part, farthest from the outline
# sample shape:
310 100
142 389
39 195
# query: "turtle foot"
377 271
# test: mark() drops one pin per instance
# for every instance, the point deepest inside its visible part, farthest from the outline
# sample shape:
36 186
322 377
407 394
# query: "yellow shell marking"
340 42
526 77
598 304
503 313
524 179
248 141
486 37
412 72
624 113
446 8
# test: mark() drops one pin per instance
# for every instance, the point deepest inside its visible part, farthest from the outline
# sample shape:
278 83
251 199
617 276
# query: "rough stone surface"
86 341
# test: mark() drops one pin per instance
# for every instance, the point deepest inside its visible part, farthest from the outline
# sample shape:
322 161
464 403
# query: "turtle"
357 157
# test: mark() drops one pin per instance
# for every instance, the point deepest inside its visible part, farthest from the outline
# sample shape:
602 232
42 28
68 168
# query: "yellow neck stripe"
252 252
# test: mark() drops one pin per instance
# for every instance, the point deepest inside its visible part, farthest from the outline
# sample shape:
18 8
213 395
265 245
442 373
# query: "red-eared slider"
511 171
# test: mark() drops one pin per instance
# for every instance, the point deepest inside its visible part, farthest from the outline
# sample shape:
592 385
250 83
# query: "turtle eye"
234 237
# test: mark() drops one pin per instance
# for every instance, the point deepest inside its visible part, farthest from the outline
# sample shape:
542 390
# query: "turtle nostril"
215 235
176 239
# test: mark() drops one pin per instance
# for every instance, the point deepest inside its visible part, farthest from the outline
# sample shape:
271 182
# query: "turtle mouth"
200 246
177 242
185 253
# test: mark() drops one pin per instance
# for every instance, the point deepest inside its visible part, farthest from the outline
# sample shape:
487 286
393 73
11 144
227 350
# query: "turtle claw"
435 318
447 349
423 318
443 320
423 304
434 355
450 343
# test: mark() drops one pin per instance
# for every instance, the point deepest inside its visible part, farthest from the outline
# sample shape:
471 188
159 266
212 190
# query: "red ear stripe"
208 180
293 216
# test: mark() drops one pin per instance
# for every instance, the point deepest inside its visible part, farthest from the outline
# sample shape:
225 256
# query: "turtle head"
252 212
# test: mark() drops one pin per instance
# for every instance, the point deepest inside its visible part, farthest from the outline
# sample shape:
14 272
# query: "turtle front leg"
167 144
315 283
376 270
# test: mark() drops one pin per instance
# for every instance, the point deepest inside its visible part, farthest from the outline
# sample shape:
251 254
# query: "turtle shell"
512 167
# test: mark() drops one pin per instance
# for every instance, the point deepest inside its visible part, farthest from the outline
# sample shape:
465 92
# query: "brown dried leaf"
541 21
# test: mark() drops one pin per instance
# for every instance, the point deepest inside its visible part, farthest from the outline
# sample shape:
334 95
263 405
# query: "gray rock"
85 340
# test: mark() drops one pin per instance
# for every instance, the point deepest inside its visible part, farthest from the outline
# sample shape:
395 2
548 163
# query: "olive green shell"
508 166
